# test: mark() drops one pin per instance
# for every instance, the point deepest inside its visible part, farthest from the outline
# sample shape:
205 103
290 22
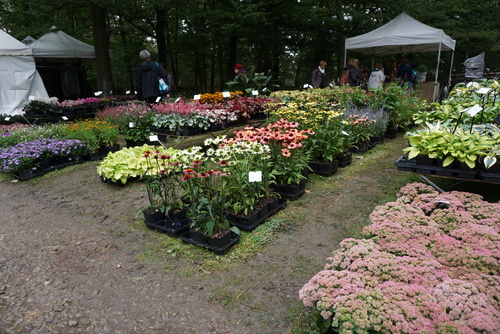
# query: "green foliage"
250 82
126 164
461 99
163 180
327 141
438 141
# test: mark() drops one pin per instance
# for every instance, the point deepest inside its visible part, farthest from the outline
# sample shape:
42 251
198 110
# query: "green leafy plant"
327 141
250 82
127 163
243 158
428 141
207 195
163 181
439 141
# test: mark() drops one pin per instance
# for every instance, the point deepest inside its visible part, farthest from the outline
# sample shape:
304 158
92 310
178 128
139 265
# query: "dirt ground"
70 256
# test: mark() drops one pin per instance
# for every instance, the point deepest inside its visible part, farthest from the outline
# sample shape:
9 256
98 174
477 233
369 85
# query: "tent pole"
451 69
345 57
437 73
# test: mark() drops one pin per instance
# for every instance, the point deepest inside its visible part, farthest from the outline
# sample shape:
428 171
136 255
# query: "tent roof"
61 45
404 34
9 46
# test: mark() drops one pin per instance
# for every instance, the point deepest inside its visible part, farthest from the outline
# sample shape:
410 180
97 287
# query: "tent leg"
451 70
437 73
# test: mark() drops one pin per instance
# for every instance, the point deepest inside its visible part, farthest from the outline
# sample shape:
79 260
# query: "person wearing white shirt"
377 77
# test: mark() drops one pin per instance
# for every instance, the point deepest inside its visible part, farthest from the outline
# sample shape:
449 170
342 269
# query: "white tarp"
19 78
61 45
404 34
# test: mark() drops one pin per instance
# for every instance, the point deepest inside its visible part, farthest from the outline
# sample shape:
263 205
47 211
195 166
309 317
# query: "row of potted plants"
429 262
32 150
465 140
24 160
183 118
461 99
38 106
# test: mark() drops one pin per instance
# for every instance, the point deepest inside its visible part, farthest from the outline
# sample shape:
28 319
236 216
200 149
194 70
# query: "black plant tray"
403 164
490 177
252 226
290 196
173 229
217 250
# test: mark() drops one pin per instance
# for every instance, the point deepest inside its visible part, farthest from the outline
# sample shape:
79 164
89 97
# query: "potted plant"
39 107
324 146
247 182
84 131
378 126
426 144
127 164
358 128
133 122
252 82
204 188
162 178
288 154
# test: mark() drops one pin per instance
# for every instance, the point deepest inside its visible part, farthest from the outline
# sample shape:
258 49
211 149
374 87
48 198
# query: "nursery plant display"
29 156
128 163
288 155
458 106
427 262
462 141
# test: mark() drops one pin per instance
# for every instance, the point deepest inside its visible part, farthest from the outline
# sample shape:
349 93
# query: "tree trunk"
101 46
160 35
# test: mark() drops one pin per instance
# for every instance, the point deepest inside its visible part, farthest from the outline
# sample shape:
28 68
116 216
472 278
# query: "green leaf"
448 161
323 325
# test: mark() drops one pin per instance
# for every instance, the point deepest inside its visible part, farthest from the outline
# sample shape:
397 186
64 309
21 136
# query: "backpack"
344 80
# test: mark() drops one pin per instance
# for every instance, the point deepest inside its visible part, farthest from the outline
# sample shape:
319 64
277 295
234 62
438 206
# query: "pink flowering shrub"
428 263
466 305
412 190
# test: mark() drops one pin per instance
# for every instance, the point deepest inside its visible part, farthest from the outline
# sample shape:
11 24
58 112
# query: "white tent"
19 78
404 34
59 59
61 45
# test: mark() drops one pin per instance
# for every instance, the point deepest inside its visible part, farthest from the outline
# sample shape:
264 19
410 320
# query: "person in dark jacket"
318 76
146 78
405 73
352 67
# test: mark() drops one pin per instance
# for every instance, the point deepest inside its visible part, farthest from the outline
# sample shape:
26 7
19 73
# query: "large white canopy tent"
61 45
59 59
19 78
404 34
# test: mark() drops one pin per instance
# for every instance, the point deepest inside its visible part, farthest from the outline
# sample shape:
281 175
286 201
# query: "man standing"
146 78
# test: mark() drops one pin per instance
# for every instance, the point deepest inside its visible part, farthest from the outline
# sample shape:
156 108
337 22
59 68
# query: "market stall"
404 34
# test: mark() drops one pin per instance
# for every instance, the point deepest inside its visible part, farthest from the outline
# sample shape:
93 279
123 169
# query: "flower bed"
429 263
29 155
